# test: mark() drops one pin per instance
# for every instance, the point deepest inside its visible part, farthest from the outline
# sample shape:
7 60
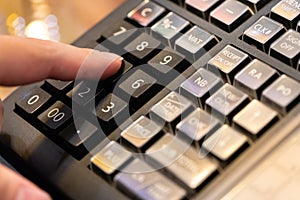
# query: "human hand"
24 60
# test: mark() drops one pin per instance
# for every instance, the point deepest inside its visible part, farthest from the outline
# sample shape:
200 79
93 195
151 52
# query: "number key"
142 46
167 60
138 86
56 116
33 100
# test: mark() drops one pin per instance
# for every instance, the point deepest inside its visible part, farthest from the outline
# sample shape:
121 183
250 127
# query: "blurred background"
58 20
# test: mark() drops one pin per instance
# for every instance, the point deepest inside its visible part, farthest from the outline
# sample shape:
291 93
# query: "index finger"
25 60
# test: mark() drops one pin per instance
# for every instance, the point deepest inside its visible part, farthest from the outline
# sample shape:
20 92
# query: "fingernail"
32 194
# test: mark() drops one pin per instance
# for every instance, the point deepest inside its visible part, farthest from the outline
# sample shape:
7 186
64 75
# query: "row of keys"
270 36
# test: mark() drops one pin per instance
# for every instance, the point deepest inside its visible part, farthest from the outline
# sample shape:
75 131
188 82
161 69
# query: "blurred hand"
24 60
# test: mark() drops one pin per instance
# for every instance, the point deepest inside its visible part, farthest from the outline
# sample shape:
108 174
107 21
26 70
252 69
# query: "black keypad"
33 100
57 116
230 15
195 43
142 46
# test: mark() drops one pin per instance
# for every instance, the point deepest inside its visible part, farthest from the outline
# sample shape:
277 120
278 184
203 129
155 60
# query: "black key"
140 181
84 92
57 84
57 116
109 160
76 134
255 5
145 13
170 110
119 32
33 100
254 78
263 32
255 118
287 48
282 95
195 43
182 161
226 102
197 126
139 86
230 14
298 26
201 85
201 8
142 46
109 107
226 143
141 134
287 12
168 60
228 62
168 28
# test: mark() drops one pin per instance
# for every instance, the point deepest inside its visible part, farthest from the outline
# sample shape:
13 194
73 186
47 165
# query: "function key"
145 13
254 78
282 95
110 159
230 14
56 116
226 143
201 85
119 32
168 60
182 161
226 102
287 48
263 32
197 126
169 27
141 133
228 62
170 110
255 118
255 5
140 181
139 87
287 12
195 43
33 100
142 46
201 8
